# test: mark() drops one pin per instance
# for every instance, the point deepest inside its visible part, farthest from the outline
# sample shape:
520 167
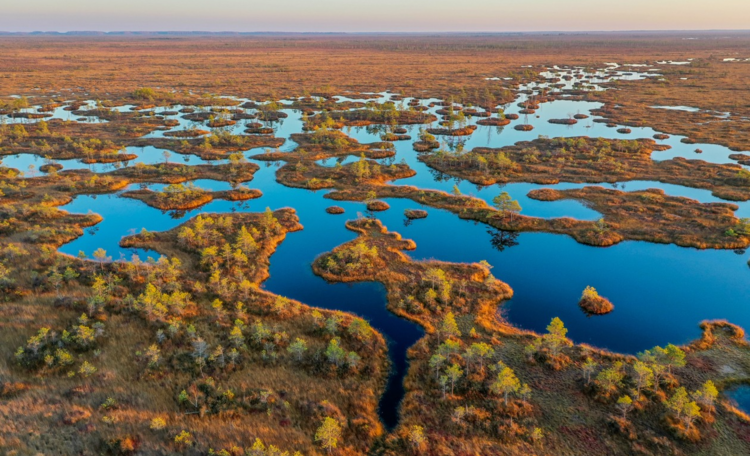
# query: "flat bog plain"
488 244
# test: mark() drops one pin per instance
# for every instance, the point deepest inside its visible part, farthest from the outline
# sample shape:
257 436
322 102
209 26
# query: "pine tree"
625 403
328 434
506 205
449 327
454 373
588 368
707 395
643 375
298 348
335 353
506 383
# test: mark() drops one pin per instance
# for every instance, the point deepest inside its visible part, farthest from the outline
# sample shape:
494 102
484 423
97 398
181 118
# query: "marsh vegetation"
190 337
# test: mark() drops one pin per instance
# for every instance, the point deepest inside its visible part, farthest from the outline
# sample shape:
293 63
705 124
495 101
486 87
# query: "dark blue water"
741 395
660 292
292 276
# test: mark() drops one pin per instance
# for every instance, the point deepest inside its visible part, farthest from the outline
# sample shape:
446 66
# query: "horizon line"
436 32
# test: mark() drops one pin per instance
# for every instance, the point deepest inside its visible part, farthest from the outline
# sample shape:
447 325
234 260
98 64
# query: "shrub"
157 424
144 93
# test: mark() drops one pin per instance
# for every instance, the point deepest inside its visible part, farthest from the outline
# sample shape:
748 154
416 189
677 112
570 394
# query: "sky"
373 16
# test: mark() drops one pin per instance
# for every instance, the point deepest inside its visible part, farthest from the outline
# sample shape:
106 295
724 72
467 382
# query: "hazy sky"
378 15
